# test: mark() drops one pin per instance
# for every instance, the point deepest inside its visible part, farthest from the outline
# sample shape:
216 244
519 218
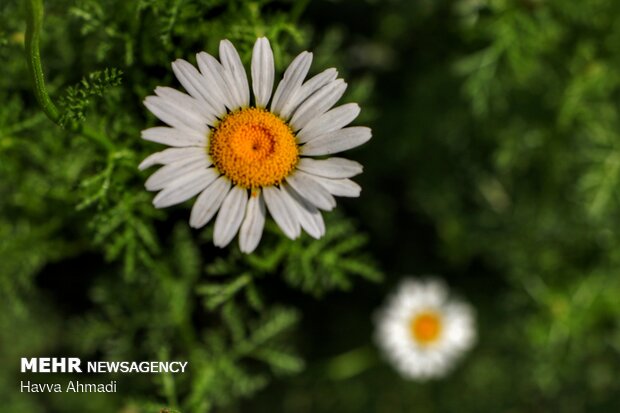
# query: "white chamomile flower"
244 158
423 331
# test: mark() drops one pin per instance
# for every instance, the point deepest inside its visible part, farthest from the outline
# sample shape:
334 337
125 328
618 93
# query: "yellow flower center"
426 327
253 148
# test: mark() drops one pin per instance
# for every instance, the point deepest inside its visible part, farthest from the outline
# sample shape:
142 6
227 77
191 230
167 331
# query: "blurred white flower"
422 331
244 158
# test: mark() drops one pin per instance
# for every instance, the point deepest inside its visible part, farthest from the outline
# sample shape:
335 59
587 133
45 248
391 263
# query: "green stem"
298 9
168 381
34 22
351 363
95 136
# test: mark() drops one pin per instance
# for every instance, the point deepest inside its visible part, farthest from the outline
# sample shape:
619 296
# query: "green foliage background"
495 163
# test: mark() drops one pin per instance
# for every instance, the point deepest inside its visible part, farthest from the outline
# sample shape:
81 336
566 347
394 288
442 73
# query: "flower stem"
351 363
34 22
298 9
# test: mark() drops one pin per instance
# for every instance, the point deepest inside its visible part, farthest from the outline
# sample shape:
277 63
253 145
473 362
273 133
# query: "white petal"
394 336
330 121
208 202
184 188
307 89
252 228
317 104
188 103
308 216
198 86
173 171
281 212
171 155
263 71
334 168
175 114
340 187
212 70
337 141
311 190
174 137
291 81
234 73
230 216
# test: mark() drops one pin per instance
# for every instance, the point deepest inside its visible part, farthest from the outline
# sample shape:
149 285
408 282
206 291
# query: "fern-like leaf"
77 97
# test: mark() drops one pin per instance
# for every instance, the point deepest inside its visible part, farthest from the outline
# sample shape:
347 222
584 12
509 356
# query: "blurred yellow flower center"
253 148
426 327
